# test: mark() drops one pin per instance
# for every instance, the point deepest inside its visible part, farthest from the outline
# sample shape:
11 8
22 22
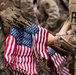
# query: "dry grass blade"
22 20
11 23
67 41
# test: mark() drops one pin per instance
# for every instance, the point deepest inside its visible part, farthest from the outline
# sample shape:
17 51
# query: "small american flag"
20 47
59 62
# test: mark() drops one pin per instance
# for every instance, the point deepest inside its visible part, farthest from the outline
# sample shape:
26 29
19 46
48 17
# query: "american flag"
59 62
20 47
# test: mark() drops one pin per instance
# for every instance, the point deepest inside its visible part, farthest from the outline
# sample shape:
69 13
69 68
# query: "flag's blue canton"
51 51
34 29
23 35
